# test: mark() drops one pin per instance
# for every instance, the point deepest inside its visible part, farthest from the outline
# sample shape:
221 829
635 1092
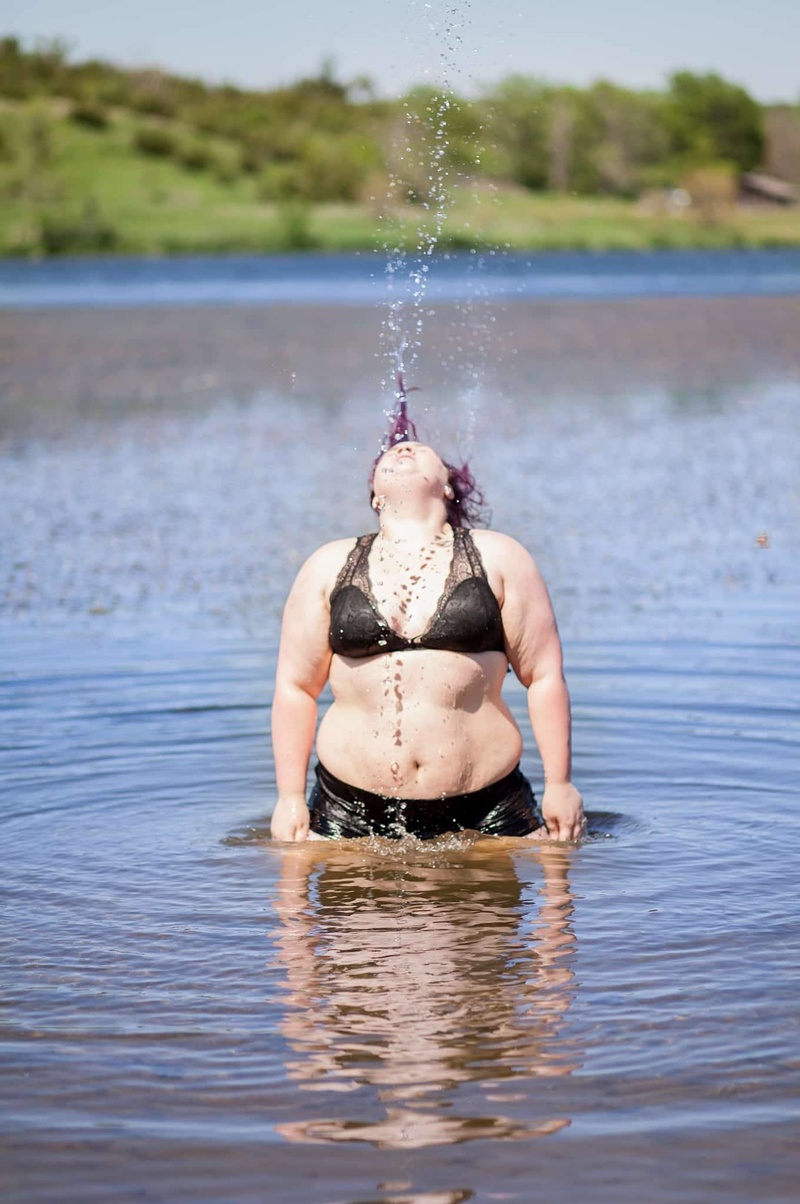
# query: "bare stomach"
419 724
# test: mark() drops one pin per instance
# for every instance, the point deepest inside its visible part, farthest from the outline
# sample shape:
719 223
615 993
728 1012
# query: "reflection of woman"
425 991
415 627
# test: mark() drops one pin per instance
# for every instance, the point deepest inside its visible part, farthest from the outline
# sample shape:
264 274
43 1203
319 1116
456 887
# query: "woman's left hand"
290 819
562 809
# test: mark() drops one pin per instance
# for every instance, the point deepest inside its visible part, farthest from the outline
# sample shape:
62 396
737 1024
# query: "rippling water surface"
359 279
191 1012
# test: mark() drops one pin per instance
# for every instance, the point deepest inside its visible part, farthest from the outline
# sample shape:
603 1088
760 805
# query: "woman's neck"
419 528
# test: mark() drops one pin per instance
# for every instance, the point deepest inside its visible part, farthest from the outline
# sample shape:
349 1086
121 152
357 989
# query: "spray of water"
401 428
419 174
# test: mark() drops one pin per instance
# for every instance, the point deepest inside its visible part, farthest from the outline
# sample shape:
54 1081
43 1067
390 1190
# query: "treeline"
91 153
317 140
322 139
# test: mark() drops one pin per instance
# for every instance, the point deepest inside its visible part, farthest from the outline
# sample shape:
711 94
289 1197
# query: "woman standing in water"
415 627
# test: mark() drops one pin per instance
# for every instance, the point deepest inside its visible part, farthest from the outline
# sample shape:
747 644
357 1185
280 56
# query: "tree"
710 119
516 131
629 136
560 141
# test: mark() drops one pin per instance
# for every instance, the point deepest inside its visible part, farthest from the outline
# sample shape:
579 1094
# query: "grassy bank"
94 190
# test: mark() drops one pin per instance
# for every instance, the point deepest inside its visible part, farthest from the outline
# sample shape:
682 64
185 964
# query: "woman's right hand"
562 811
290 819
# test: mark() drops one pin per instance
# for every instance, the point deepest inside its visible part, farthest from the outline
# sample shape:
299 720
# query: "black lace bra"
467 617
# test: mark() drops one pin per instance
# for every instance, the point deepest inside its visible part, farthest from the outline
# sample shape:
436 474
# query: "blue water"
359 279
193 1013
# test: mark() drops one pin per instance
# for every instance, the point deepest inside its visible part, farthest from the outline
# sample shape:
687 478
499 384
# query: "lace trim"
351 564
361 578
464 563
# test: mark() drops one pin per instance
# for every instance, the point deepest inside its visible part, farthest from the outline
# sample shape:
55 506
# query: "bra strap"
472 554
354 561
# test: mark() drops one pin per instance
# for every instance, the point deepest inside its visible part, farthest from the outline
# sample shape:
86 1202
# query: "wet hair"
467 507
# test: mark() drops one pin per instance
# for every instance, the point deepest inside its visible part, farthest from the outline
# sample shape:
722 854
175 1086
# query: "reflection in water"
414 972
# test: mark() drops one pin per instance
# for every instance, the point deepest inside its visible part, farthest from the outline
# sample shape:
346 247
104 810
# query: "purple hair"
401 428
467 506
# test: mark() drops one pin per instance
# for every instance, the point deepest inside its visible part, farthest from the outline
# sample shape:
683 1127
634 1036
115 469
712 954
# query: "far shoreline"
523 223
445 251
717 240
352 280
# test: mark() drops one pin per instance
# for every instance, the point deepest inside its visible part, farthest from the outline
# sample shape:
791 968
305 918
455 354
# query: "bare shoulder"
322 567
502 552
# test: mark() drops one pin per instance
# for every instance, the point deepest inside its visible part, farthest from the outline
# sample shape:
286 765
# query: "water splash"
402 428
420 175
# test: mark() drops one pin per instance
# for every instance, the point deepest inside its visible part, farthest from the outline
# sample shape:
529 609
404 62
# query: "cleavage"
406 603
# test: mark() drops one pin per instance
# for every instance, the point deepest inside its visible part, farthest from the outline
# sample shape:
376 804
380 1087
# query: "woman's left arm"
534 651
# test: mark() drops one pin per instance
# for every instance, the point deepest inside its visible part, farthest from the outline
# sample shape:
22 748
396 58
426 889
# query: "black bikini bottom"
505 808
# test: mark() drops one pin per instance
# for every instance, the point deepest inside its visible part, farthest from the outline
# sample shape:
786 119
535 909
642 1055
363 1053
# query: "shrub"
20 240
153 140
252 160
280 182
459 239
713 189
196 156
14 72
326 169
8 144
90 114
39 139
294 222
13 181
153 92
87 233
228 167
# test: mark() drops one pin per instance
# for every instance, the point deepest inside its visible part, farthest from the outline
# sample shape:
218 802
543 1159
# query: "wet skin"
419 723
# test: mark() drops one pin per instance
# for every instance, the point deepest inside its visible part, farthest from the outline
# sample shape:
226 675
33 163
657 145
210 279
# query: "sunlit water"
362 279
193 1012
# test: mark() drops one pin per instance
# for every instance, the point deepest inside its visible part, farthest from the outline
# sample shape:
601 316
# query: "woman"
415 627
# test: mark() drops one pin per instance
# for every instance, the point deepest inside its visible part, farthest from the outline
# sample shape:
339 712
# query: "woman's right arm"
303 664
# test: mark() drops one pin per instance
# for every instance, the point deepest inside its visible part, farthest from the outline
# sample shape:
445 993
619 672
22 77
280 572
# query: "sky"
471 43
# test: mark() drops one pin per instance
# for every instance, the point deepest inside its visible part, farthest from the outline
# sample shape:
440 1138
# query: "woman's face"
409 466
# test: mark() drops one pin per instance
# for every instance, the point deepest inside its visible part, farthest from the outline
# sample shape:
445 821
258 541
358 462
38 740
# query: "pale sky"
264 43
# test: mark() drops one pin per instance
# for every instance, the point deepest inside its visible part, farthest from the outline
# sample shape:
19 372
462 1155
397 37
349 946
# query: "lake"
362 278
194 1012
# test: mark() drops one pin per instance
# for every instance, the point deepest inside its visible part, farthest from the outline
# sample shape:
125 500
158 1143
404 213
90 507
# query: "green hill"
96 159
